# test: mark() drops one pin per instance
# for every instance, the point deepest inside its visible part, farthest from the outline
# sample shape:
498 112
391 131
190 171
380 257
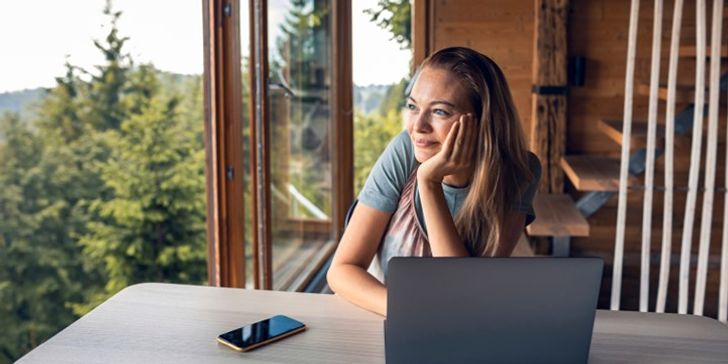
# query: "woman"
457 182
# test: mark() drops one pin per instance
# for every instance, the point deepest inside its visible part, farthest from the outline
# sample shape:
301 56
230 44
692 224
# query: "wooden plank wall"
500 29
597 30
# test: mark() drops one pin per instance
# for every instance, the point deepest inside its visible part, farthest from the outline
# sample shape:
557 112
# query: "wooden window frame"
223 139
223 143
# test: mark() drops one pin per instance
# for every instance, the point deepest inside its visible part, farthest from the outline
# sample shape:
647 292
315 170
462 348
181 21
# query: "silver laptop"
491 310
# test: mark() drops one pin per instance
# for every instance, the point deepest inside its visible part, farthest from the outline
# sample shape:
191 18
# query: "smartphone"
260 333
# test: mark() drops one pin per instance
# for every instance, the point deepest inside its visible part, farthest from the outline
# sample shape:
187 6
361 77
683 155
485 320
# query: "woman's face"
437 100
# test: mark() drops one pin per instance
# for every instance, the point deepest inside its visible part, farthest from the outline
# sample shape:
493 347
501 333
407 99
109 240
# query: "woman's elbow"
331 276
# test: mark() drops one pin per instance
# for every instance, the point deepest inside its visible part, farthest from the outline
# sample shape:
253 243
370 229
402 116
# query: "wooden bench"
557 217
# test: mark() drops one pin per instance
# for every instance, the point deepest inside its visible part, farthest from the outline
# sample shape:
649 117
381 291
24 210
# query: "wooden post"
421 37
548 113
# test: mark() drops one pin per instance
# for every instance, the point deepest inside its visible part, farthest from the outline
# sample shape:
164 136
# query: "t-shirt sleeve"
389 175
525 203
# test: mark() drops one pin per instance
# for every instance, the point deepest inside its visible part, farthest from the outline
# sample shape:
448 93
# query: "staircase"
597 176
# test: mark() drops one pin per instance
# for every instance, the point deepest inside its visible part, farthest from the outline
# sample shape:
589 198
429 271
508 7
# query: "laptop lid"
499 310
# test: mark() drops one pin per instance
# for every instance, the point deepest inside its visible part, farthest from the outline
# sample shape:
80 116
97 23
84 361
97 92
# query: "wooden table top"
156 323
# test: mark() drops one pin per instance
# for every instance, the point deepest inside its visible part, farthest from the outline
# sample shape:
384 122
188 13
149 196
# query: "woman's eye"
441 112
411 107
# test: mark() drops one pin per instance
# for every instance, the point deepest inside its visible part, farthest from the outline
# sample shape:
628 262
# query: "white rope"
694 158
666 250
624 167
723 291
650 163
710 158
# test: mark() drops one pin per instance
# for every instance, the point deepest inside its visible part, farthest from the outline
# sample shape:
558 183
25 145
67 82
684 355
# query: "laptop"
491 310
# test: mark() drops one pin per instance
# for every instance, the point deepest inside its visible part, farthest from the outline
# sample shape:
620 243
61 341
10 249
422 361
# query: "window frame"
223 140
223 144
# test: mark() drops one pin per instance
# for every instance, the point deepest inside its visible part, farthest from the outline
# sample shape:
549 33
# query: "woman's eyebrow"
435 102
444 102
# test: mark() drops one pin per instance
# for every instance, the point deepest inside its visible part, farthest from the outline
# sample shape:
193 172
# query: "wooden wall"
500 29
598 31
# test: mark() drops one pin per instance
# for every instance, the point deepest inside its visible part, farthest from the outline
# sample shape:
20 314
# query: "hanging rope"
684 280
710 158
624 167
666 250
650 163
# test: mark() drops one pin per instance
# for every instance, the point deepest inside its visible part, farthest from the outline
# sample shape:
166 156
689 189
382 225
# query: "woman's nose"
421 122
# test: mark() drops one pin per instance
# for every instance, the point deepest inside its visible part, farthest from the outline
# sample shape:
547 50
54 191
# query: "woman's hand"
456 155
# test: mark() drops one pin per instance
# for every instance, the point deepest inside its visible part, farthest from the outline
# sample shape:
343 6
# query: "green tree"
39 270
396 17
373 133
107 85
153 228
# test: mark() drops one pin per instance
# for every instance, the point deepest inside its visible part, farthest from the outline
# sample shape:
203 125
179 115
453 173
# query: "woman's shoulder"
389 174
400 152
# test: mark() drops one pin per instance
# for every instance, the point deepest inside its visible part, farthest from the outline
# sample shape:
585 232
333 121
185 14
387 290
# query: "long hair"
501 173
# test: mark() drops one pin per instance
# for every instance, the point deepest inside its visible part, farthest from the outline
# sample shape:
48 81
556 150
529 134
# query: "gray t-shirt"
388 176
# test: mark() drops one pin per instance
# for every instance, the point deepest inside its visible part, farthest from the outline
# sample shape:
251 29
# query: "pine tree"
153 228
38 270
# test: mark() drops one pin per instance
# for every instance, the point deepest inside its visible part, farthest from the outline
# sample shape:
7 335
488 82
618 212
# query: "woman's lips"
422 143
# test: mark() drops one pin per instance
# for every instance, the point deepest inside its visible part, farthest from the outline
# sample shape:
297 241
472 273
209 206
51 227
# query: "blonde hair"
501 173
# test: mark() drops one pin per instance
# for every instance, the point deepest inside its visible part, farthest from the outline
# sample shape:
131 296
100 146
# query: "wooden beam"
548 114
226 255
421 37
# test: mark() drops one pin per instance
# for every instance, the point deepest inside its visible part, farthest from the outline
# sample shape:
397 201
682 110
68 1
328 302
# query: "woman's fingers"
463 143
448 145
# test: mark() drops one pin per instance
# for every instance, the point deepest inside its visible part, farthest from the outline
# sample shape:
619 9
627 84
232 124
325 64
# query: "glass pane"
101 158
300 91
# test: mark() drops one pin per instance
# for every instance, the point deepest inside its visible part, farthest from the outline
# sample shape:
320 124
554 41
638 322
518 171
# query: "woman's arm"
348 274
441 231
452 164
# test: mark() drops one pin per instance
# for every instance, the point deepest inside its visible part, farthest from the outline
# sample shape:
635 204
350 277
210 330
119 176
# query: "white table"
156 323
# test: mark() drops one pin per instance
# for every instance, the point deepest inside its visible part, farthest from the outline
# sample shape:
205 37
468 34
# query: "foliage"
152 230
38 273
396 17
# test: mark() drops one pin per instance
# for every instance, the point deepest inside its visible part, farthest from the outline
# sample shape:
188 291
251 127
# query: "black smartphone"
260 333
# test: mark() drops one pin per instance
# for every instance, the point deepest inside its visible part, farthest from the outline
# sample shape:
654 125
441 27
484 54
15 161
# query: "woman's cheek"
444 130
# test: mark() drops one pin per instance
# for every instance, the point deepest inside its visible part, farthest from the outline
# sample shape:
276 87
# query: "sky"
37 37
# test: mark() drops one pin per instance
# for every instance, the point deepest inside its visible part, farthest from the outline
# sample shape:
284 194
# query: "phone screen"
262 332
